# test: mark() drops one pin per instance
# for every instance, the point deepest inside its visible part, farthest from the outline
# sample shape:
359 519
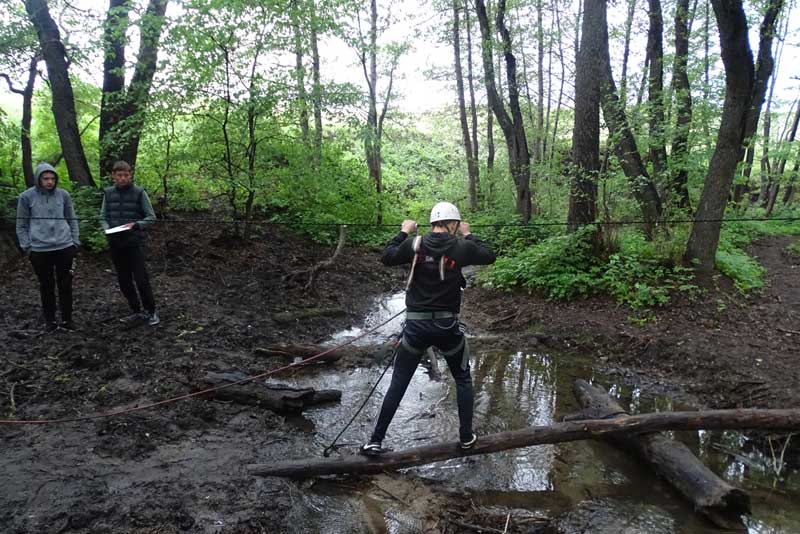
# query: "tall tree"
586 131
655 89
473 109
27 114
373 135
511 124
462 110
300 69
122 112
624 142
316 87
744 91
683 106
55 57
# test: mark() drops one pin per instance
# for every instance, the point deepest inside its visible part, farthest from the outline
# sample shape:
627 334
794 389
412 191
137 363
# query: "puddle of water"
381 310
590 486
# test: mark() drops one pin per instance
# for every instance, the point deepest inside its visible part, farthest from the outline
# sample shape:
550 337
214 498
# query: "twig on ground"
11 399
786 331
390 494
476 528
508 519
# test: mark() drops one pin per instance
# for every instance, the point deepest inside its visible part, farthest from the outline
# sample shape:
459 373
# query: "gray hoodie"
46 220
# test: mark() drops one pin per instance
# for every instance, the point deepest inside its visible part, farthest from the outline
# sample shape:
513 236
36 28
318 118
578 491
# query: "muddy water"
587 486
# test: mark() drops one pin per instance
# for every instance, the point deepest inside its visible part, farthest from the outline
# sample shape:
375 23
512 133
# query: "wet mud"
181 467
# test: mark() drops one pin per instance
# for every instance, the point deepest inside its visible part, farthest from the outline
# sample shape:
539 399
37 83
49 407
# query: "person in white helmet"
433 301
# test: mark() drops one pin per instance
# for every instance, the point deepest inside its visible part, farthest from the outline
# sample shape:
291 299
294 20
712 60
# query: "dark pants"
448 337
60 261
130 267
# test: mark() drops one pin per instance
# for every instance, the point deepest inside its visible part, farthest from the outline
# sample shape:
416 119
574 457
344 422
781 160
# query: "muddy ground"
180 467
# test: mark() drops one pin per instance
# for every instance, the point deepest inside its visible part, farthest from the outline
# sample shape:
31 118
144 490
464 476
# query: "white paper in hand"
117 229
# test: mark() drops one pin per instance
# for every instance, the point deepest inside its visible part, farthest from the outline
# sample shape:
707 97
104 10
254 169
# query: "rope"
326 452
386 225
196 393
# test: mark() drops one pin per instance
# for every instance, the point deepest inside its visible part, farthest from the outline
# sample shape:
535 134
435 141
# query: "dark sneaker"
135 317
68 325
153 318
466 445
50 326
372 449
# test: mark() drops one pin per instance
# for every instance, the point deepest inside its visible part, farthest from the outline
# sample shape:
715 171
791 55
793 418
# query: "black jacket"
428 292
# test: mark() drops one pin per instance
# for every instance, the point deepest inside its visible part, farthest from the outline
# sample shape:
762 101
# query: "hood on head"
41 168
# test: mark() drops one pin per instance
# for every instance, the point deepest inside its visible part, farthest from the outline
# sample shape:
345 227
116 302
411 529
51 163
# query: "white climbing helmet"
444 211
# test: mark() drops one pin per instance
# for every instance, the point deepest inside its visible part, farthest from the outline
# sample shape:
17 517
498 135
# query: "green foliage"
794 248
560 267
564 267
87 202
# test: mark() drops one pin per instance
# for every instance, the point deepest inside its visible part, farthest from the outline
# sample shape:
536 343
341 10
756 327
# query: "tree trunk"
655 92
741 95
25 123
473 109
122 111
63 107
683 96
462 111
316 88
511 125
623 80
561 84
723 504
624 142
743 419
300 72
586 131
279 399
539 148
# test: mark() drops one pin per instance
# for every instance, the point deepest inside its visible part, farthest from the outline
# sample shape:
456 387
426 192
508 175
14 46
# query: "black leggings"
130 267
60 261
417 337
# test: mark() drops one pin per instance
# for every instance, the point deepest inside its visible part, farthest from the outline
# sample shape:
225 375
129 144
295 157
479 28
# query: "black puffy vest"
124 206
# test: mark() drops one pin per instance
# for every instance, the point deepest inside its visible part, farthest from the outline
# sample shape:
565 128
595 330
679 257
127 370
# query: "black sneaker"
467 445
50 326
68 325
135 317
373 448
153 318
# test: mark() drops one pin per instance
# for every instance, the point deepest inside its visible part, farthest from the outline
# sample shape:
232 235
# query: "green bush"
794 248
87 202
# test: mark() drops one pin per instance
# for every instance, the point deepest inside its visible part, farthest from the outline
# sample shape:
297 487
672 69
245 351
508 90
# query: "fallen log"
744 419
279 399
301 351
722 503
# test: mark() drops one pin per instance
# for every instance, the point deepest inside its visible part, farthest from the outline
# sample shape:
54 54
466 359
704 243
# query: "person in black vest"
127 207
433 301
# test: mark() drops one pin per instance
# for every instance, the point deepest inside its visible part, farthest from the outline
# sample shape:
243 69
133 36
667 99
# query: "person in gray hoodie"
47 230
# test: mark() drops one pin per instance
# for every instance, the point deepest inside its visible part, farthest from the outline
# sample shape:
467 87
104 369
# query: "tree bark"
723 504
511 125
626 50
300 72
55 58
539 148
744 419
279 399
316 90
472 181
644 190
586 131
741 95
655 91
27 114
122 110
473 109
683 107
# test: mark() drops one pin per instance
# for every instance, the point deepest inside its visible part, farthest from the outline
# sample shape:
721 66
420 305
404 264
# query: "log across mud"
723 504
744 419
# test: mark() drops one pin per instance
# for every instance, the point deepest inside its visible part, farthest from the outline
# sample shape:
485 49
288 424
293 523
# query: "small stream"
588 486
